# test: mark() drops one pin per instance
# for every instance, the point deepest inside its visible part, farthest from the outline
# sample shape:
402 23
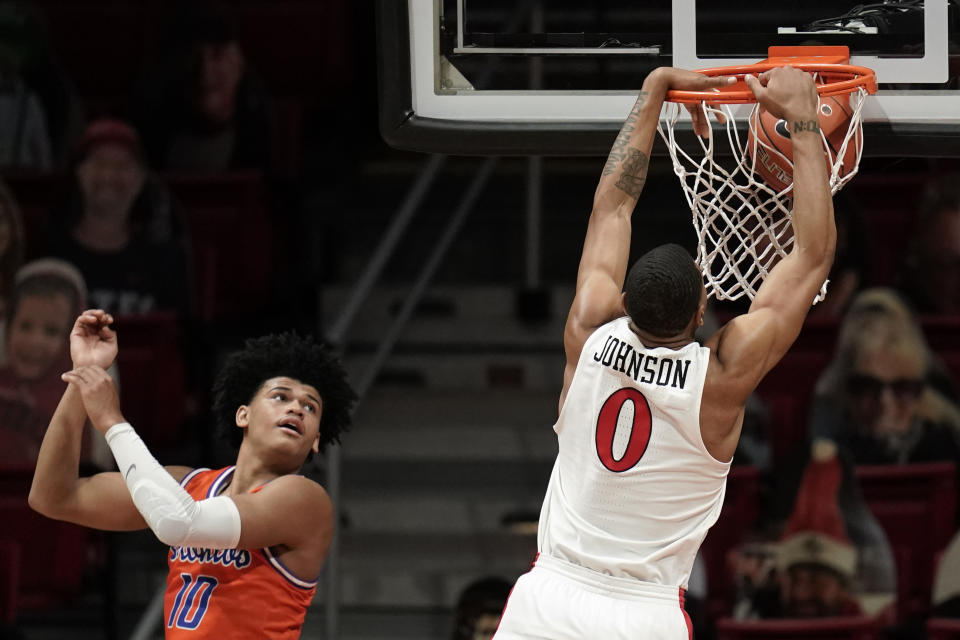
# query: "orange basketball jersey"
231 593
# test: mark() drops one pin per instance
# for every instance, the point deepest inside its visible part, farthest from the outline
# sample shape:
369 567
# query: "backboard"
557 77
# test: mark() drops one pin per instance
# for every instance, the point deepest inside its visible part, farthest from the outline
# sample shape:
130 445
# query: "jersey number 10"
607 423
191 602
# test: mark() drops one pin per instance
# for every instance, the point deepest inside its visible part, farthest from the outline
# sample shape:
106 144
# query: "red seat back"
844 628
15 480
54 551
9 579
943 336
231 234
943 629
916 506
152 379
740 506
36 194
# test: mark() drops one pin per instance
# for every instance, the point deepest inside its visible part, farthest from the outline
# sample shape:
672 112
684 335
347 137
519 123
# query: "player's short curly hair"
663 290
290 355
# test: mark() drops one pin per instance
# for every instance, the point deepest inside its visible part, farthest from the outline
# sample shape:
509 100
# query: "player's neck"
250 473
671 342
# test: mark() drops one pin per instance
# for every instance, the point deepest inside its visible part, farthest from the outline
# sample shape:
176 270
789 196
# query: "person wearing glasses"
884 397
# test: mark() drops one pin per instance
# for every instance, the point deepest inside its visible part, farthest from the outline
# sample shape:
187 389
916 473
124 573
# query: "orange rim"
838 79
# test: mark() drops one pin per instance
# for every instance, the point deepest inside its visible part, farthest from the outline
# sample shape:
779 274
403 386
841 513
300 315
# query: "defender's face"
284 414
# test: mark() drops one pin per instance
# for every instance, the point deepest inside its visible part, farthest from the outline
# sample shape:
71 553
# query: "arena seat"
888 201
786 427
942 332
15 479
916 506
102 44
232 240
297 46
300 46
56 553
943 629
151 370
841 628
740 508
36 194
787 390
796 373
943 336
9 579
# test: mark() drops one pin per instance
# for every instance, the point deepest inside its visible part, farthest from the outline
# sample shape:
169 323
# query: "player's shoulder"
298 488
743 338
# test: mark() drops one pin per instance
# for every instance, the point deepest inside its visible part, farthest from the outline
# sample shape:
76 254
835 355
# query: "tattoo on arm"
634 174
619 150
805 125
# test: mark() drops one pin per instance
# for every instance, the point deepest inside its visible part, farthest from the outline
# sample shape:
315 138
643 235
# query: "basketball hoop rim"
856 77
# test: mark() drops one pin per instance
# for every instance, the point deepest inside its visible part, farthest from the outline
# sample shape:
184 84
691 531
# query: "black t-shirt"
139 278
927 442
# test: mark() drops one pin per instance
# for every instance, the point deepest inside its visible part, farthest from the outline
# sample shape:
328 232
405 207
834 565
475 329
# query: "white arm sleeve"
171 513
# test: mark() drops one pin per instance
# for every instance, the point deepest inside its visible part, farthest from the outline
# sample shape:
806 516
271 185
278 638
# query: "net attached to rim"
744 225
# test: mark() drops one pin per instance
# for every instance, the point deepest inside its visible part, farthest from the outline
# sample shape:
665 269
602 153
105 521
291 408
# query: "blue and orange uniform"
231 593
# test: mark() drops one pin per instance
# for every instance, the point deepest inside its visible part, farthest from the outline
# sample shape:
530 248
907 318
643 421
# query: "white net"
745 225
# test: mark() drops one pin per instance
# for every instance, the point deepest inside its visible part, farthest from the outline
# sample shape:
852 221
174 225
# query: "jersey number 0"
607 429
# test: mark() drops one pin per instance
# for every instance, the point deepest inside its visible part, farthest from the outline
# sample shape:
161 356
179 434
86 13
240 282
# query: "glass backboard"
556 77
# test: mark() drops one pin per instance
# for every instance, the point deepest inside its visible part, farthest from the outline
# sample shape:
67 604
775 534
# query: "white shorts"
557 600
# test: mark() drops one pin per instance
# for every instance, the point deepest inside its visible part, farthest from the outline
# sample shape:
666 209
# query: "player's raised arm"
101 501
291 510
753 343
606 249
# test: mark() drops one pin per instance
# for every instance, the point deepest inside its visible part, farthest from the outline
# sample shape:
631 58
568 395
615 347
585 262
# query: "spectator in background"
946 582
24 140
39 108
930 275
198 107
11 252
47 295
829 552
122 227
882 398
479 608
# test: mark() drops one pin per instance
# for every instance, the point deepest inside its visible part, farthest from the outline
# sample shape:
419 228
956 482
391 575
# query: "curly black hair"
293 356
663 290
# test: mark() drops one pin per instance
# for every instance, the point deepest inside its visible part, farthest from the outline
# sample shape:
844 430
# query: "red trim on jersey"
686 617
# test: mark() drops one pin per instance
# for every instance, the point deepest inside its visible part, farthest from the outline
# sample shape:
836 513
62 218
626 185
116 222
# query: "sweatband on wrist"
170 512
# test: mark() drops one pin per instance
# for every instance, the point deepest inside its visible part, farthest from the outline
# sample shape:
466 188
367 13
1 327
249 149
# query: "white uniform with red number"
631 497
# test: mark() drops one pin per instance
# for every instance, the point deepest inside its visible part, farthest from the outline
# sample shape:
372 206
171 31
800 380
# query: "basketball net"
744 225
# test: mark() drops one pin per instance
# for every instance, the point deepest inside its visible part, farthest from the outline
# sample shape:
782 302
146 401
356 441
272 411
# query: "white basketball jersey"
634 489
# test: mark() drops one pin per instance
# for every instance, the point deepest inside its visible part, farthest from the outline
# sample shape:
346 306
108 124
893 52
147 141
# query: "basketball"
775 151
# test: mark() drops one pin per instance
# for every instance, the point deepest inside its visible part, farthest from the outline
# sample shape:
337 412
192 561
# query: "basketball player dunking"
649 419
247 541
